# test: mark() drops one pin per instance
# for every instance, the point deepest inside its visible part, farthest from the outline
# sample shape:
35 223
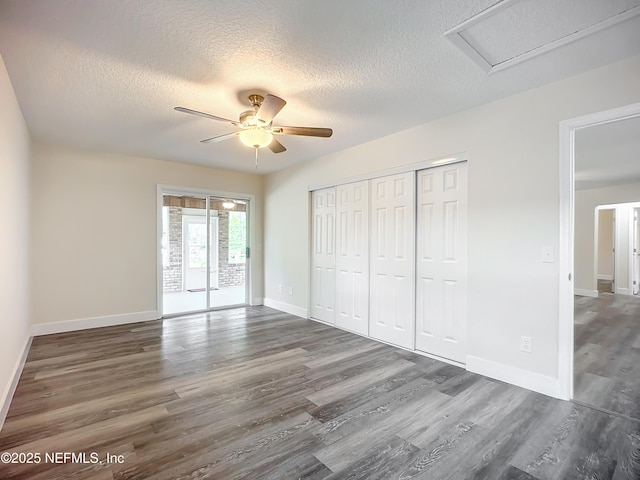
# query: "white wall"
605 244
14 236
94 229
586 202
512 148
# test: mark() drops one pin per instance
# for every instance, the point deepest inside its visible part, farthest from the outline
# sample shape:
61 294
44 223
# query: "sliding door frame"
163 190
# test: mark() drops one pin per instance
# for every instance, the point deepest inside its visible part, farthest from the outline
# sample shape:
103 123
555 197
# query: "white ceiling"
608 154
534 27
106 74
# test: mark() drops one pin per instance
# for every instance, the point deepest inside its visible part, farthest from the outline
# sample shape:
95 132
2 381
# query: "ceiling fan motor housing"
247 118
256 100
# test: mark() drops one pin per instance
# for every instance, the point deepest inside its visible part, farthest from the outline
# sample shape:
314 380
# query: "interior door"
441 290
392 256
323 259
636 252
352 257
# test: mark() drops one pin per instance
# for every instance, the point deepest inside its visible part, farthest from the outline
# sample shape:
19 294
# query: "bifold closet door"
352 257
323 257
441 290
392 301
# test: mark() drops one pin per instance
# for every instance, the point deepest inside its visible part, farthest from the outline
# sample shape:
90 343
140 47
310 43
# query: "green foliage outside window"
237 237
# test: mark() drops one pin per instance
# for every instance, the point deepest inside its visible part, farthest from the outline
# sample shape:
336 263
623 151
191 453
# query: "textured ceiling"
106 74
531 24
608 154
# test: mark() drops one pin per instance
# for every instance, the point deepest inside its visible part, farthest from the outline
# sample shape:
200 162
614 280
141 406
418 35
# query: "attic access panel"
512 31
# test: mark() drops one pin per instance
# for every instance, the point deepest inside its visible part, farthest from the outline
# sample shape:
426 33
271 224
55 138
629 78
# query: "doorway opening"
607 331
578 294
204 261
616 237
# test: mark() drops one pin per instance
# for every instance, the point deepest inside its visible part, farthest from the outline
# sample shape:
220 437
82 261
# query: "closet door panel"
392 259
323 259
352 260
441 303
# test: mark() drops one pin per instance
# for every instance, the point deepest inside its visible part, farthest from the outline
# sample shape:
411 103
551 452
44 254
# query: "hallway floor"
607 352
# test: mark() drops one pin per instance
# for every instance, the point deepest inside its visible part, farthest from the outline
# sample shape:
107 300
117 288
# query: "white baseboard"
285 307
516 376
605 277
622 291
7 396
95 322
257 301
330 324
583 292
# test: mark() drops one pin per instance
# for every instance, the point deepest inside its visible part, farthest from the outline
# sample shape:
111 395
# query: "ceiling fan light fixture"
256 128
255 137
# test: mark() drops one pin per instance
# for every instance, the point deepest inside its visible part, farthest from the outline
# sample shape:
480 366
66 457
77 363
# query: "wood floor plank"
344 352
358 383
373 392
383 423
514 473
458 409
498 441
380 463
78 415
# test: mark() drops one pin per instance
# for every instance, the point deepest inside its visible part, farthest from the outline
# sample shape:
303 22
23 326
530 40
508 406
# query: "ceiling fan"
256 125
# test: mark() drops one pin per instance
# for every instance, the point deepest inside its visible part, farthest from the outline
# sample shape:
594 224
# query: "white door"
623 233
194 228
352 257
441 307
636 252
323 256
392 264
613 235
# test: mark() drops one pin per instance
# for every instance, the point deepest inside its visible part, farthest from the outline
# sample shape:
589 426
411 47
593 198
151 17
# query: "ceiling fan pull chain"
256 158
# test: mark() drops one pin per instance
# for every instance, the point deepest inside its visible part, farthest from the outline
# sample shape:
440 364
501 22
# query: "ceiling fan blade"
220 138
306 131
276 147
205 115
270 107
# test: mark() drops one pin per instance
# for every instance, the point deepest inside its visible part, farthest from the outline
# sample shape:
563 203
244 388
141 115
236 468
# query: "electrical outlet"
526 344
280 288
290 290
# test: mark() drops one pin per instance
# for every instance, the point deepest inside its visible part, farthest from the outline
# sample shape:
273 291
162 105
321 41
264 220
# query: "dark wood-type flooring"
607 352
253 393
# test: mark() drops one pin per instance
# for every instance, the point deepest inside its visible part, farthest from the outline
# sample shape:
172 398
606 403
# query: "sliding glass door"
230 252
204 253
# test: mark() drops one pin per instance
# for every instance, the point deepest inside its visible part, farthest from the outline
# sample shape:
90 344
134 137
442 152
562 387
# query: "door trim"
387 172
567 130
